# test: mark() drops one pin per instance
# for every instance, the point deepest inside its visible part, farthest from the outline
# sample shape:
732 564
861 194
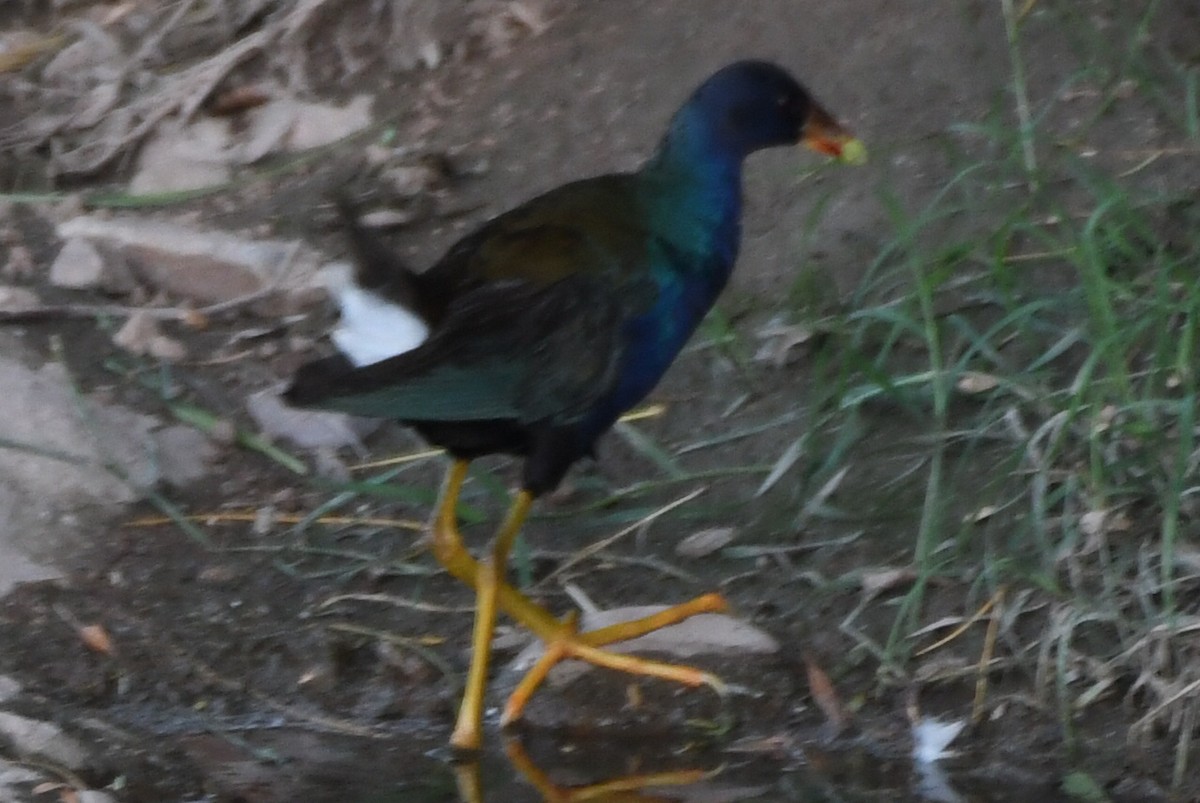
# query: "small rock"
42 409
17 299
20 263
46 501
9 688
308 429
185 454
33 738
78 266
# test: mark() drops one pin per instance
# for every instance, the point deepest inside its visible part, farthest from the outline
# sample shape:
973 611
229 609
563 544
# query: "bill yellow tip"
853 152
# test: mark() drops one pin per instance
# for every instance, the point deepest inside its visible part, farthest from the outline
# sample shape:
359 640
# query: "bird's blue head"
751 105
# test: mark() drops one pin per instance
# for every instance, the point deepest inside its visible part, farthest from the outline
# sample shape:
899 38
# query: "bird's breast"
652 340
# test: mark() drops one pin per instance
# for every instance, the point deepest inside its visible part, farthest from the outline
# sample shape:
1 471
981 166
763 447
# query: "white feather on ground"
931 737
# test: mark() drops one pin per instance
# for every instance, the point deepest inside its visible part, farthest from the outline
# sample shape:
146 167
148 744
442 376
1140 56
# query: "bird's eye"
781 101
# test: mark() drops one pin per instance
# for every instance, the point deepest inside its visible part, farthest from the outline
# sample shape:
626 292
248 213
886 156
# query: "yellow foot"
568 642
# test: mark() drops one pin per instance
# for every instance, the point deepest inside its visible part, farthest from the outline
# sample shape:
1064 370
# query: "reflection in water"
624 789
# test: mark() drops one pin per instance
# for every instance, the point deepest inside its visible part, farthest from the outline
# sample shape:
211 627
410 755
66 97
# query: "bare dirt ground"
250 659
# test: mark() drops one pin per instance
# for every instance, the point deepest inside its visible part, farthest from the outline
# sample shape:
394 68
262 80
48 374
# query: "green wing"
532 309
510 350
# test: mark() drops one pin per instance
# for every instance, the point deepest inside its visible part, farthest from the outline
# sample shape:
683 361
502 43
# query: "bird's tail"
312 383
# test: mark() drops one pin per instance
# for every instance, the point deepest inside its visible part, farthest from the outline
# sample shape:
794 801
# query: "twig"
985 658
399 602
416 645
251 516
1024 117
649 562
604 543
962 628
56 312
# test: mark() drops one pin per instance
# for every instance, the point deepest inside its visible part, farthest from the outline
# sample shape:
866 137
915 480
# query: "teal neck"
694 190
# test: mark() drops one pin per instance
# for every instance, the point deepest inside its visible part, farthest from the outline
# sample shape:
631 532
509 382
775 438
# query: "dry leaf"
1104 419
238 99
388 218
531 15
824 694
1092 523
410 181
117 13
779 340
975 382
96 105
786 461
141 335
317 124
982 514
1119 523
19 48
90 60
879 580
194 319
779 745
705 542
184 157
48 786
96 639
203 266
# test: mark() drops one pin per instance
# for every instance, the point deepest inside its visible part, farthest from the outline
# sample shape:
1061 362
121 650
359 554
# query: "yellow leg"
450 552
489 578
624 631
561 637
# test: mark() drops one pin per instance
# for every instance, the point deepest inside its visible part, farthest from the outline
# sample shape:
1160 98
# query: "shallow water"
287 764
